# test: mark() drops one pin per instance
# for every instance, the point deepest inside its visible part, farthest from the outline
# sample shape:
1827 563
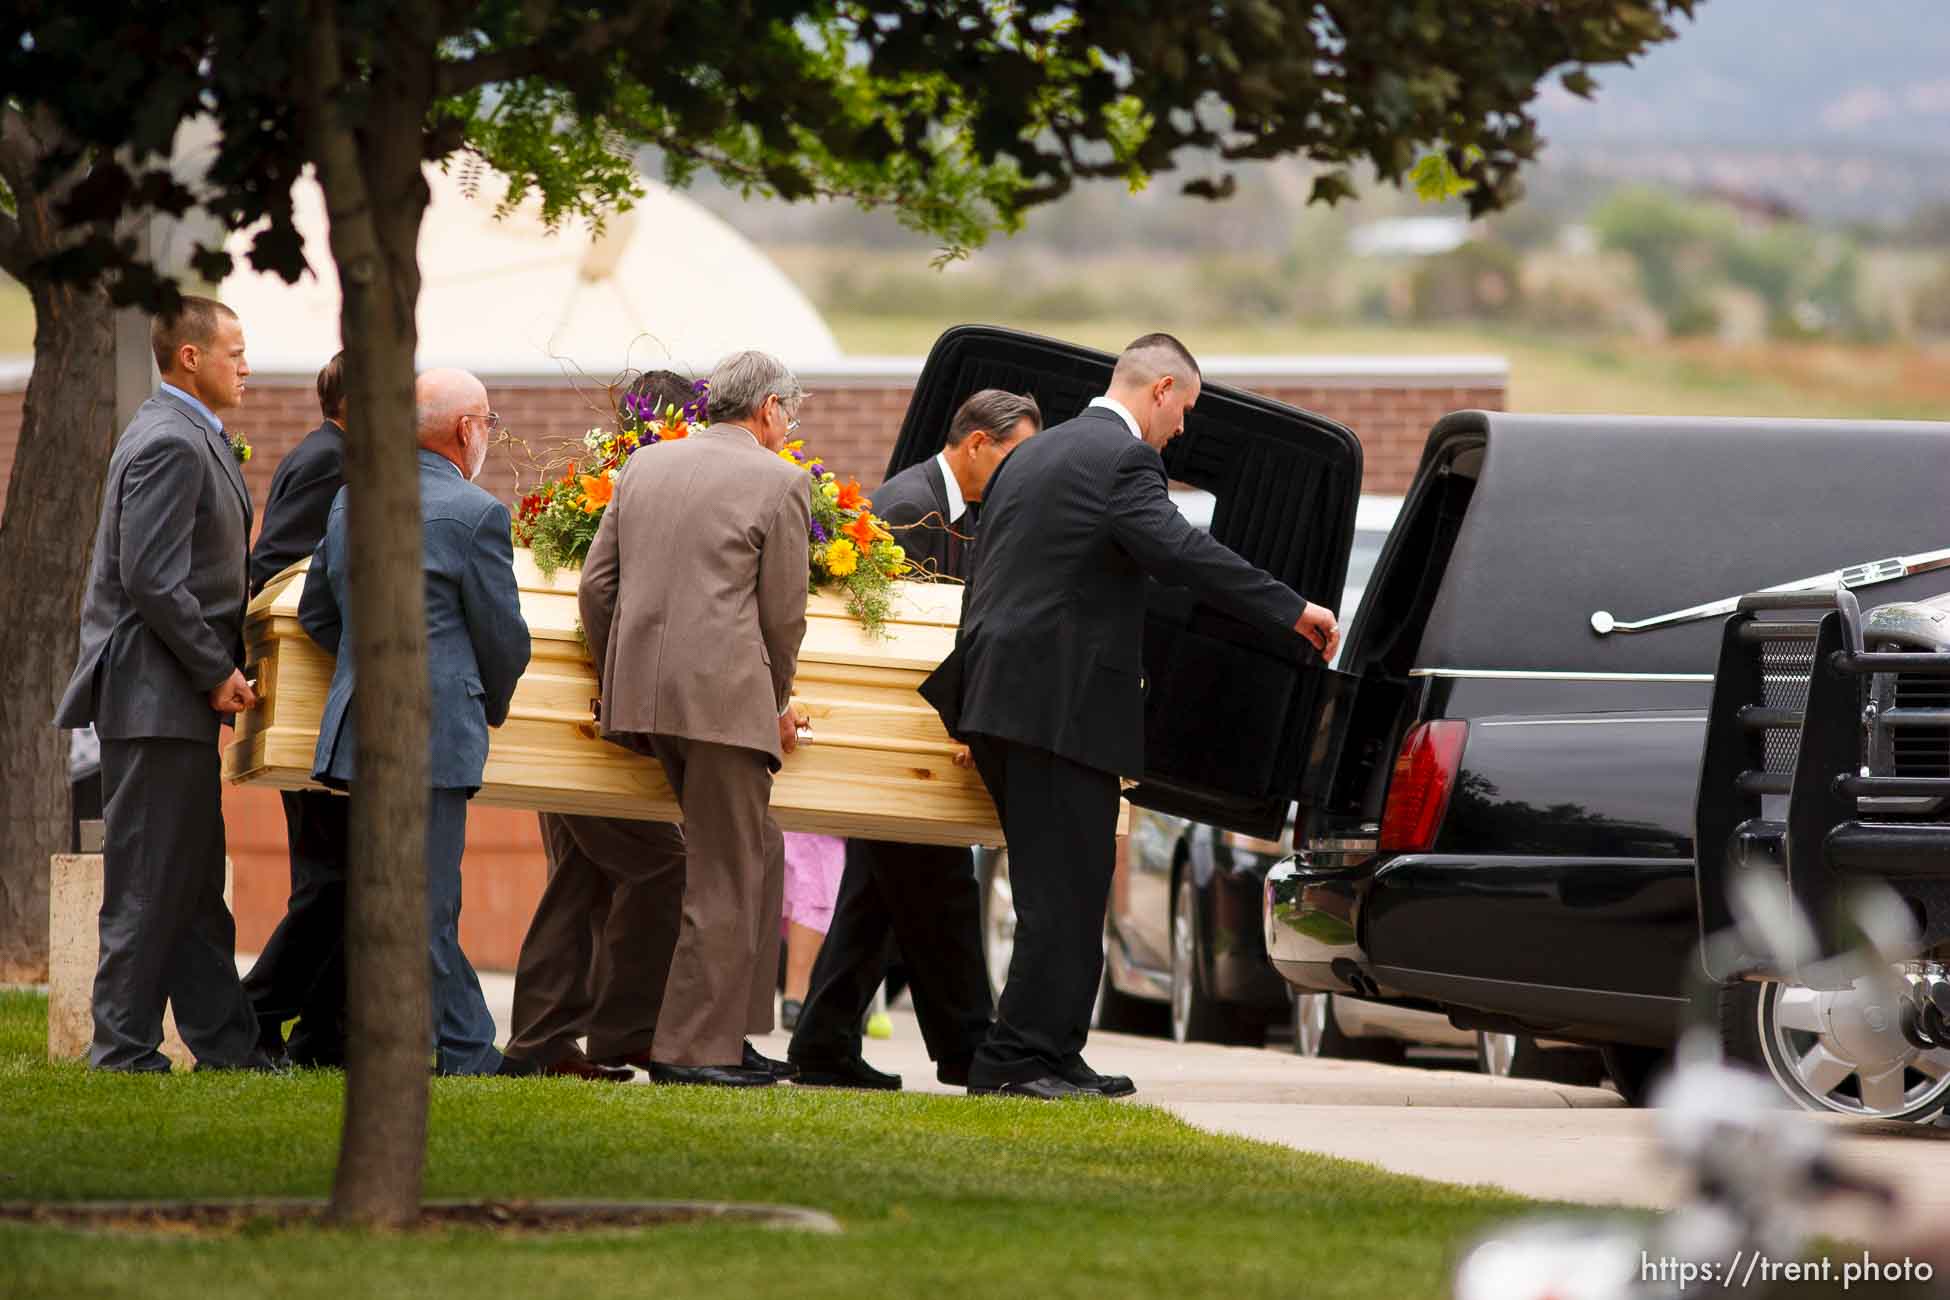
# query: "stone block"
73 946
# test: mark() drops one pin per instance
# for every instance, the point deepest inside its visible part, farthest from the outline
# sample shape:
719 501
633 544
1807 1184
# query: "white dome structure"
665 284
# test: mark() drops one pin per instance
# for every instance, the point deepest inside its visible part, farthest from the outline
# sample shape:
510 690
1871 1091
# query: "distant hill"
1870 75
1842 109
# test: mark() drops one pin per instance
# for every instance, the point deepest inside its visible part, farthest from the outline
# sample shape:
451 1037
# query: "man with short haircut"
694 602
477 647
301 972
1046 686
161 640
922 897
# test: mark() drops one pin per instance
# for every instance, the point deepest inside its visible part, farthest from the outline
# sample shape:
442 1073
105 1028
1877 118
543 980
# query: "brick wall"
1389 403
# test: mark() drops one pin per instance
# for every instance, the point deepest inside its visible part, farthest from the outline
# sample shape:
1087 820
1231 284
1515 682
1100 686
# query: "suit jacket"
694 593
162 622
301 500
477 642
915 502
1050 649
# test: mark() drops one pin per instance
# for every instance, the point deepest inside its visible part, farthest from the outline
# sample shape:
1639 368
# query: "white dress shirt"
1123 413
956 506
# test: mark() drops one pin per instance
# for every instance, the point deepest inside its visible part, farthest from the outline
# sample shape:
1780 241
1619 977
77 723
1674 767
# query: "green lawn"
940 1196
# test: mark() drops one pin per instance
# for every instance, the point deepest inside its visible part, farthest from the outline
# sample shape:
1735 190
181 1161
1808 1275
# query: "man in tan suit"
694 602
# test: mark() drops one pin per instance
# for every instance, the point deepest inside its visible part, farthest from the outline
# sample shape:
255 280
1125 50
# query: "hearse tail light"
1418 794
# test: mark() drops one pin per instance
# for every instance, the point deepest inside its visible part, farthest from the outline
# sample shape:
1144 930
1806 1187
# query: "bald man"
477 647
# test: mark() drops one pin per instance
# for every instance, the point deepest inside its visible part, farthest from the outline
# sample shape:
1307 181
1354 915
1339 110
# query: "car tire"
1196 1016
1118 1012
1318 1033
998 912
1518 1056
1838 1053
1634 1069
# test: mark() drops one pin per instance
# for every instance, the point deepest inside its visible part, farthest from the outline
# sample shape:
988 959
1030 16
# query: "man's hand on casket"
234 694
961 757
1318 625
790 723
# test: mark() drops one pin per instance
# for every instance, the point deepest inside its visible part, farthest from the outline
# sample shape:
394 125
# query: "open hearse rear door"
1232 714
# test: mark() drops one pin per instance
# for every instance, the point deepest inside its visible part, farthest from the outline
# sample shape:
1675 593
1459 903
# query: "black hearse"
1827 769
1499 819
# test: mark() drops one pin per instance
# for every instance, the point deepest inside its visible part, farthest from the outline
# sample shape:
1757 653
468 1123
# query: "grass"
940 1196
1547 373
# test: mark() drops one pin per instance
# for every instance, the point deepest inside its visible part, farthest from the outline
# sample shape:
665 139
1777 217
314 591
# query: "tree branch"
543 56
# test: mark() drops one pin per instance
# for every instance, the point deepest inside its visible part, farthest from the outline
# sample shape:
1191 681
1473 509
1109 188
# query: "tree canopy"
958 114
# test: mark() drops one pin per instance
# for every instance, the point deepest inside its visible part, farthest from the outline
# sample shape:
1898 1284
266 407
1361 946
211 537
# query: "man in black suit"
1046 686
301 972
161 640
922 895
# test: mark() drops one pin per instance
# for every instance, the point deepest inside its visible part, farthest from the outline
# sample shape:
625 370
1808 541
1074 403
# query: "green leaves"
957 115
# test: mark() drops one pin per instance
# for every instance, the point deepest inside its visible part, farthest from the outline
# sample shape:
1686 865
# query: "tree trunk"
376 197
53 498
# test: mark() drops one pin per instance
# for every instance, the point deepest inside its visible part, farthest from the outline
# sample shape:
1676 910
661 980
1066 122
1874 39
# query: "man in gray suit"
161 639
477 647
694 602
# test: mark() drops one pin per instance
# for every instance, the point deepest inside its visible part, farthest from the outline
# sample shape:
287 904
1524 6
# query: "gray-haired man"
694 602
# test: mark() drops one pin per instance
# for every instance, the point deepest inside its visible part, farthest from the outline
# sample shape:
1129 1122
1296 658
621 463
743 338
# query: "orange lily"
861 530
850 498
596 492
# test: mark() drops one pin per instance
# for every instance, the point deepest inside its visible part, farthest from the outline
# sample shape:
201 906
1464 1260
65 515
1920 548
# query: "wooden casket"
878 765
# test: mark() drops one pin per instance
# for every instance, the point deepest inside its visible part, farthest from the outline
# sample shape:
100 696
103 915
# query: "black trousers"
1060 819
166 933
301 972
924 898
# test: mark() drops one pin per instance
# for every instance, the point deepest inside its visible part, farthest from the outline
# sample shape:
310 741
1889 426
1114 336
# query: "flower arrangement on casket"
852 551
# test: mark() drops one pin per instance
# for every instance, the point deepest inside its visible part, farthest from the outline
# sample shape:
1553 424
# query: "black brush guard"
1787 763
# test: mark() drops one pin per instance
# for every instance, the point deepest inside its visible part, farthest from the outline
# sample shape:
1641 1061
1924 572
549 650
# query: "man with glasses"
477 647
694 602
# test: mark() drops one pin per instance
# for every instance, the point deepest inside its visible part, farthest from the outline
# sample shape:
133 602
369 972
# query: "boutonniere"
240 448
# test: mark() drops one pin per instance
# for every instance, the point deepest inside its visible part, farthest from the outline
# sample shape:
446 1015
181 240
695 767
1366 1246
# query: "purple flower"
816 469
819 534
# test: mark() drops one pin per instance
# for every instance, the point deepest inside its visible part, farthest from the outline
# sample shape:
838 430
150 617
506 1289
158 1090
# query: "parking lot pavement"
1548 1141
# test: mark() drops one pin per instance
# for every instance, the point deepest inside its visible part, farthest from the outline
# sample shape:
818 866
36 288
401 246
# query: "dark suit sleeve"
318 606
784 567
492 604
596 590
1164 544
296 515
160 488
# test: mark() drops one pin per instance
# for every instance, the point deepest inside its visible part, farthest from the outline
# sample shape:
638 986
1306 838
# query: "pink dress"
813 864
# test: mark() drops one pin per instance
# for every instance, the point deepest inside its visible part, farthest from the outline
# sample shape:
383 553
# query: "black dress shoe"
258 1062
1104 1085
855 1073
1047 1088
517 1067
754 1060
712 1076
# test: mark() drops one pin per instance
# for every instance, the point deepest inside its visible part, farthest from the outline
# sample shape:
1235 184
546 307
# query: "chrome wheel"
1182 956
1311 1012
1496 1053
999 924
1845 1052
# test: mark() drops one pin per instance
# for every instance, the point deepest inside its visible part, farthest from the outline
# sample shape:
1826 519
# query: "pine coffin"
878 765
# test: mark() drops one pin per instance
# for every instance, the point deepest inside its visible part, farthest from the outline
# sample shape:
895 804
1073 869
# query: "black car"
1826 748
1498 811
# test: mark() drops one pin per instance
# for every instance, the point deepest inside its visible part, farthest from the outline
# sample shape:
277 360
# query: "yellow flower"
841 558
831 491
